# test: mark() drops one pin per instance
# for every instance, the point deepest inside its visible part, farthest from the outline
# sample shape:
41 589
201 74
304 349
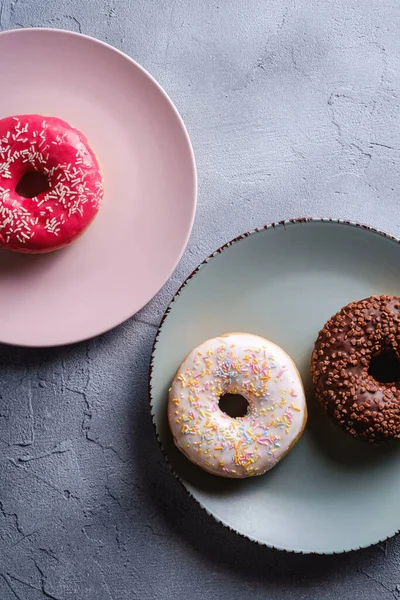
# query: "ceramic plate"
331 493
150 188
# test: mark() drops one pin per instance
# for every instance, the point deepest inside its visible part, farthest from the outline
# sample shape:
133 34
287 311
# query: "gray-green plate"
331 493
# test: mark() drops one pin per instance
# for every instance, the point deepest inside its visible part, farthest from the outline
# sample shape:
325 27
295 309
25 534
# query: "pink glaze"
59 215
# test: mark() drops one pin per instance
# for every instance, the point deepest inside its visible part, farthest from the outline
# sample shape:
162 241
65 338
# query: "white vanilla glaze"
260 371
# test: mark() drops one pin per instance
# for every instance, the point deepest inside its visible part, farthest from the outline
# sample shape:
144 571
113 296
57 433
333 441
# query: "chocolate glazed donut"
355 368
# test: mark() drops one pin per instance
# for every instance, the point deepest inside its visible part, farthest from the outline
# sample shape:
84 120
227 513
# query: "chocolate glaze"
340 368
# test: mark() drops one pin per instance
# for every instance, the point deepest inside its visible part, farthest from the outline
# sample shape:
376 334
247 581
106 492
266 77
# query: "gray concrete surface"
293 108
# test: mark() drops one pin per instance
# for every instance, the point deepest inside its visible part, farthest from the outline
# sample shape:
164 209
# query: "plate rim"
193 197
273 225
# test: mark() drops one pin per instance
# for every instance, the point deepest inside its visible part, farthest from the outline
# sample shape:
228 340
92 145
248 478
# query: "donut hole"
32 184
233 405
385 367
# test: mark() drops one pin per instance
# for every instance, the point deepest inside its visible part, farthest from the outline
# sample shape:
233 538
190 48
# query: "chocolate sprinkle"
341 368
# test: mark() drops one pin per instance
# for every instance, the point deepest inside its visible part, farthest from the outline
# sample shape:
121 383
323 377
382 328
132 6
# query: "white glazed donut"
261 372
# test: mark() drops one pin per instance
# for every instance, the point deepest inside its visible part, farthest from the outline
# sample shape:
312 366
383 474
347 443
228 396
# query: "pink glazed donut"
73 192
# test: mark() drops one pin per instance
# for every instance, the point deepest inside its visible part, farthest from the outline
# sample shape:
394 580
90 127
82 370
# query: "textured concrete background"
293 108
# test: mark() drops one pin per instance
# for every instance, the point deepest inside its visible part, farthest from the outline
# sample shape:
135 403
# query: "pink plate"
143 227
